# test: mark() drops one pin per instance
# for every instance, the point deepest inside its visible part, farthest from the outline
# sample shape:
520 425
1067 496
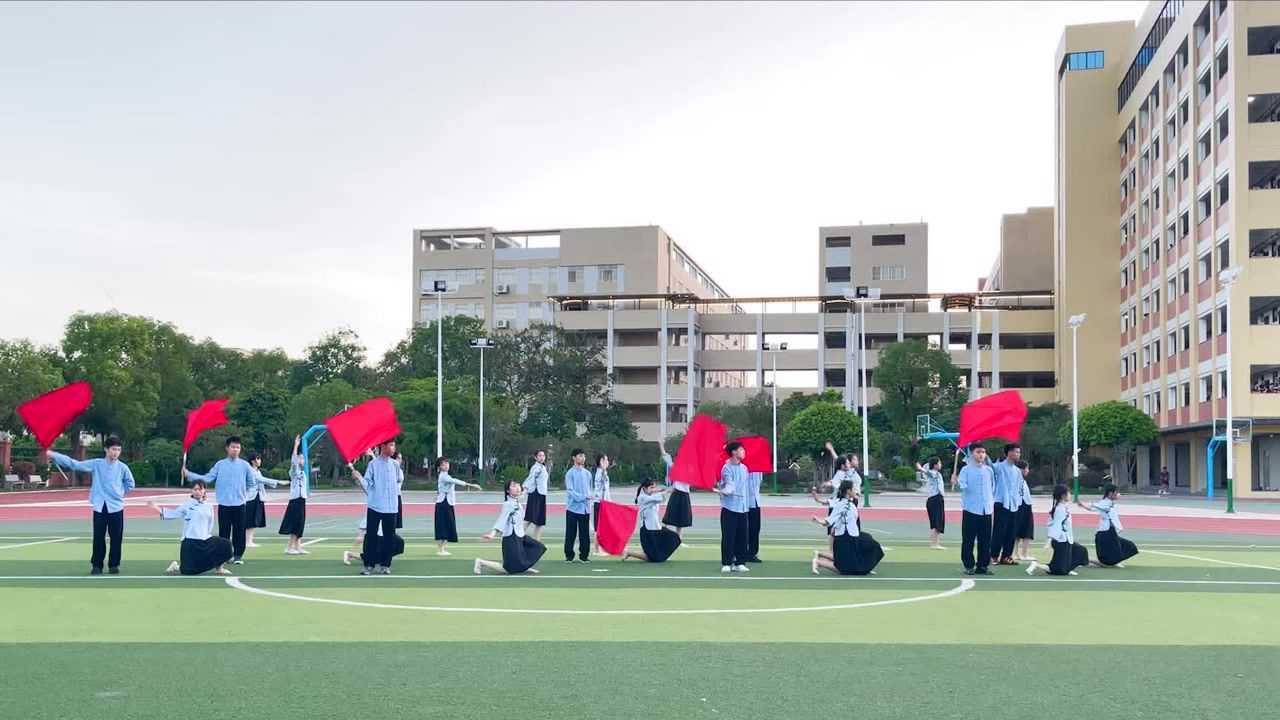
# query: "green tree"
415 356
338 355
312 406
178 390
217 371
609 418
1044 448
25 372
915 379
165 458
116 354
808 432
1116 425
550 376
263 412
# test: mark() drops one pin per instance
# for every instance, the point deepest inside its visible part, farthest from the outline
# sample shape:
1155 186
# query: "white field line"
313 542
1212 560
38 542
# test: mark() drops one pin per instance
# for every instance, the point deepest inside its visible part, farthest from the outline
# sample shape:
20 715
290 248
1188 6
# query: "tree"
263 412
551 377
415 356
610 418
812 428
1044 448
25 372
915 379
312 406
178 389
339 355
1119 426
116 354
165 457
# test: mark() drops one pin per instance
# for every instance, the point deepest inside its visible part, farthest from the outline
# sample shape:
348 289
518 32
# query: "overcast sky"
253 172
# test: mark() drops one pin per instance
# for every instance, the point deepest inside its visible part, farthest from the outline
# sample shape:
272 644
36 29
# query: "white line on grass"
38 542
313 542
1212 560
962 587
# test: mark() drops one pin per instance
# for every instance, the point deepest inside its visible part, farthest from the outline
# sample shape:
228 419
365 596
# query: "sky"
253 172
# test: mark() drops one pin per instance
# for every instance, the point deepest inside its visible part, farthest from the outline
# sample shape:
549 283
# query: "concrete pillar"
663 341
6 453
822 349
760 350
691 380
902 322
995 351
974 321
850 349
609 344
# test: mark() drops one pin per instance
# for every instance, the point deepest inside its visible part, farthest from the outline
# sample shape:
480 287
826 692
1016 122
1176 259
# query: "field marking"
964 586
313 542
1212 560
38 542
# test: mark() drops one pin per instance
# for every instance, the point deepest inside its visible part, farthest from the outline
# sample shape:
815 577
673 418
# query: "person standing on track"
931 477
112 480
295 515
1024 520
232 478
255 508
733 489
446 522
977 486
577 507
535 492
754 481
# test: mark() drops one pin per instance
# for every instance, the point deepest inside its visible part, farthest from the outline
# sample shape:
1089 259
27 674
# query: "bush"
903 477
512 472
144 474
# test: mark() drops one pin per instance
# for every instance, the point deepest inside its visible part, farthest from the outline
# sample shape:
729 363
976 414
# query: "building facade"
893 257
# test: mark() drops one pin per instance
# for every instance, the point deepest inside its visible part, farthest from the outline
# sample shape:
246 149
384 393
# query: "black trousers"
974 527
231 527
733 537
105 523
577 525
1004 526
753 532
379 550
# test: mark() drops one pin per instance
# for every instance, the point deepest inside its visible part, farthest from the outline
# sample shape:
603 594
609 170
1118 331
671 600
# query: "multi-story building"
1182 112
1025 260
893 257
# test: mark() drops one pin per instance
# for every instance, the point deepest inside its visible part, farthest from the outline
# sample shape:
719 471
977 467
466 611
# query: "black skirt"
399 512
397 548
1067 557
446 522
595 517
856 554
1025 523
535 510
937 513
1111 548
255 513
198 556
679 511
658 544
295 517
520 553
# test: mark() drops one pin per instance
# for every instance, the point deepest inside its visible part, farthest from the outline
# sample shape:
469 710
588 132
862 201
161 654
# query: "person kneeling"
519 551
1067 553
201 551
853 552
656 542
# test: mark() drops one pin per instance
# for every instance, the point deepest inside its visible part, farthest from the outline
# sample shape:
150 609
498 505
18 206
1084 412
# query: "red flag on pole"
210 414
368 424
617 523
759 458
699 459
48 415
999 415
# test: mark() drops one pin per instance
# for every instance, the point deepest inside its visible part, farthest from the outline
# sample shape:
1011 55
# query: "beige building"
1024 262
1182 112
893 257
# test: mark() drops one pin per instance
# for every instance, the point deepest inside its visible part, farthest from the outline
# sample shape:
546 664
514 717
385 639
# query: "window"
1224 190
1146 404
1146 257
888 272
1146 306
1159 29
1173 398
1222 320
1186 394
575 274
1155 253
1204 86
1184 113
882 240
842 241
1224 127
1224 254
1184 224
1184 167
1222 384
1184 281
1173 343
1124 277
1173 288
1184 335
608 273
1204 206
1223 67
1264 40
1206 327
1124 322
1155 402
1146 356
1092 60
1155 300
1124 366
838 274
1206 388
1155 151
1155 350
1204 146
1204 267
1155 199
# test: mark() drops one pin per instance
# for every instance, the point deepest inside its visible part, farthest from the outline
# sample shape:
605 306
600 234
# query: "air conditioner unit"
503 290
502 324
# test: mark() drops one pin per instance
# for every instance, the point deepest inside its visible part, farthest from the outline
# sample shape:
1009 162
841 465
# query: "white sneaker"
443 553
237 561
939 547
1031 568
1119 565
346 557
1073 572
386 571
291 551
475 566
725 569
172 569
252 544
813 565
741 568
303 551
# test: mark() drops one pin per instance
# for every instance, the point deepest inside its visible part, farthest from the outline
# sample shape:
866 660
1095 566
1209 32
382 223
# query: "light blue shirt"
260 481
382 483
297 479
232 481
197 519
932 480
111 480
447 488
1008 484
537 479
668 462
754 480
977 488
735 487
577 488
844 518
649 503
600 485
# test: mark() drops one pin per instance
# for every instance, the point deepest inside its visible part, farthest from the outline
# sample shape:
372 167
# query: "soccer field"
1189 629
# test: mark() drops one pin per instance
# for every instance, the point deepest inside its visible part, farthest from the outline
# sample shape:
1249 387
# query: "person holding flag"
381 481
733 489
577 506
232 478
112 480
977 487
679 513
657 543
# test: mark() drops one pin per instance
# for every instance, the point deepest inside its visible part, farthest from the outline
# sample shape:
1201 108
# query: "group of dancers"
996 520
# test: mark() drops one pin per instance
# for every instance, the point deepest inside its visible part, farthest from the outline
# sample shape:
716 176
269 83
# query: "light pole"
481 344
1075 321
1228 278
440 287
860 296
773 351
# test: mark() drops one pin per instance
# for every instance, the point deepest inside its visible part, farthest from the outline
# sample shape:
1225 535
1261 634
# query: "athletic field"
1190 629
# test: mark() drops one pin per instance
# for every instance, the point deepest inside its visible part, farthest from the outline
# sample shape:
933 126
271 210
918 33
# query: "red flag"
370 423
759 458
48 415
999 415
699 459
210 414
617 523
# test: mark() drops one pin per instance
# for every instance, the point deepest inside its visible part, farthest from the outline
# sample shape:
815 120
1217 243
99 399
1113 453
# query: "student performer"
733 489
1112 550
519 551
930 475
679 512
577 506
854 552
1067 553
535 492
446 522
657 543
977 485
232 479
200 551
294 521
111 481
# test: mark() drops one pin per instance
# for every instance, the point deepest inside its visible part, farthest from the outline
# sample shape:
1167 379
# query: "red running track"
1082 519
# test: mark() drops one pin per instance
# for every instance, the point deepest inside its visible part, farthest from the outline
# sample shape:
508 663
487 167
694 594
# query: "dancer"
112 480
295 515
535 492
841 464
233 479
1008 496
679 512
599 493
976 487
1024 520
657 543
577 504
1112 549
446 524
519 551
200 551
855 552
381 480
255 508
1067 553
732 489
930 474
754 481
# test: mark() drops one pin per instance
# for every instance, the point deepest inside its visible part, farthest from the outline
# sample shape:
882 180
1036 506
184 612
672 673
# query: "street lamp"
481 344
860 296
439 288
1228 277
1075 321
773 351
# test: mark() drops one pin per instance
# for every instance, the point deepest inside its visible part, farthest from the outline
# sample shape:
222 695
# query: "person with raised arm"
201 551
111 481
232 479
